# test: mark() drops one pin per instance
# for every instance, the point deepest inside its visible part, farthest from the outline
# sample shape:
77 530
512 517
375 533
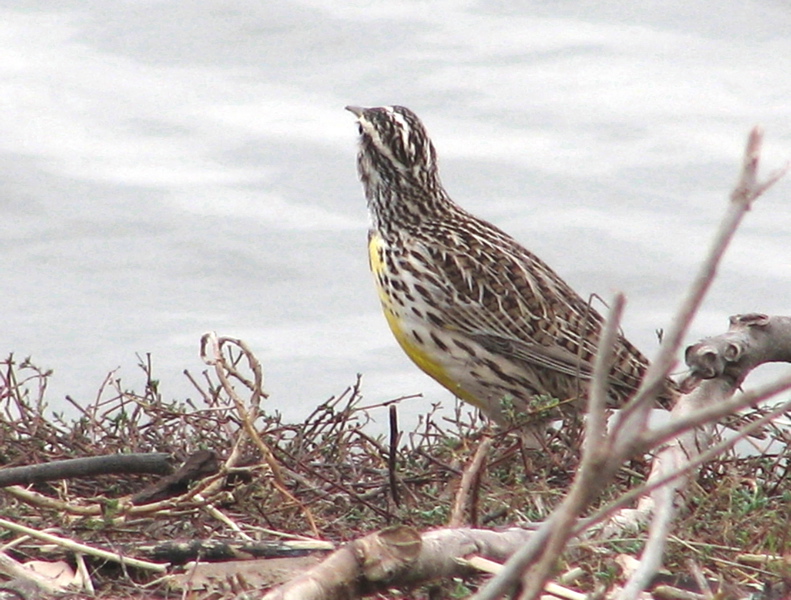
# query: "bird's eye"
359 128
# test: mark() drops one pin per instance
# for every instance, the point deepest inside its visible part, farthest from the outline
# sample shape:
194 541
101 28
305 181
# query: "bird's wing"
501 295
549 357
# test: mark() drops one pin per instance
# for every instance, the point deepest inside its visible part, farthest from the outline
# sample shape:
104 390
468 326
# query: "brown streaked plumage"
470 306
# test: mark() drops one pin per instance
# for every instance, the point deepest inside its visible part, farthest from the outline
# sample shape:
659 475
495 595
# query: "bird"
469 305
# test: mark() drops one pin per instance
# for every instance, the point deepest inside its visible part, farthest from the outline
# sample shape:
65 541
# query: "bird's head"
394 146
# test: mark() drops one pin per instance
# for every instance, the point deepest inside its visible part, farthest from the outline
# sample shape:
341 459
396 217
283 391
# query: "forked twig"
212 354
539 555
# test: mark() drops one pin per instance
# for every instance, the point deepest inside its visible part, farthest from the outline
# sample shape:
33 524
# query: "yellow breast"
427 358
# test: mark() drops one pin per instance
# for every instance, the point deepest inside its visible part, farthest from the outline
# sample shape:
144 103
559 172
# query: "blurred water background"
170 168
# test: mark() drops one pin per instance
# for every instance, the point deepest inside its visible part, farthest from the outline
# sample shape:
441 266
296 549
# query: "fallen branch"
113 464
26 582
398 556
84 548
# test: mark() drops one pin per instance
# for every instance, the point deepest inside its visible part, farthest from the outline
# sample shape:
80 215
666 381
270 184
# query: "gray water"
170 168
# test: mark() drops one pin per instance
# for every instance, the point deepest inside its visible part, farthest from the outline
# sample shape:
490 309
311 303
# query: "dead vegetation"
337 485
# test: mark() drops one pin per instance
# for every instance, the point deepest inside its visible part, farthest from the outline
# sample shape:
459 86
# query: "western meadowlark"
469 305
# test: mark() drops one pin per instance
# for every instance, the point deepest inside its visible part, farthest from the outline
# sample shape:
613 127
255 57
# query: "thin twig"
744 194
217 359
701 459
78 547
543 548
471 474
392 454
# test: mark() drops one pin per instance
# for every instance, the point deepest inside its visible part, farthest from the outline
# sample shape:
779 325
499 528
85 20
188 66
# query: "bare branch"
212 352
723 362
751 340
543 548
110 464
596 425
534 562
398 556
746 191
85 549
466 488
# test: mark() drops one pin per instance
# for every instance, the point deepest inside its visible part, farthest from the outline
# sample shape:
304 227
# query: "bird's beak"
357 111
